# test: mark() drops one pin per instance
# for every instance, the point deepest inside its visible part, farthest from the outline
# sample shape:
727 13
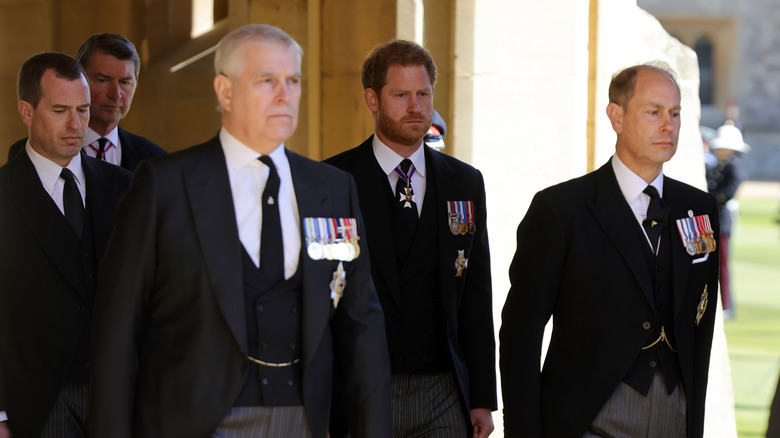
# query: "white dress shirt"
388 160
248 177
633 186
113 153
49 173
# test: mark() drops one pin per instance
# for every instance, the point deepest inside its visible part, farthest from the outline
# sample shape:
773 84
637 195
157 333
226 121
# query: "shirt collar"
631 184
388 159
49 171
239 155
92 136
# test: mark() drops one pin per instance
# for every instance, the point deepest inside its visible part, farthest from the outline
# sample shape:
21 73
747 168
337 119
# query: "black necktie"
101 153
71 201
271 249
404 195
657 214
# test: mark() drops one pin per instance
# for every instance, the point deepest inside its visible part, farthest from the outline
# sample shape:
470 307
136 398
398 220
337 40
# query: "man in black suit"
425 217
624 259
111 63
217 316
56 208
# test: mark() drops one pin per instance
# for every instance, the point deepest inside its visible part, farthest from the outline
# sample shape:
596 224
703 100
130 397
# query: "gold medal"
702 307
463 229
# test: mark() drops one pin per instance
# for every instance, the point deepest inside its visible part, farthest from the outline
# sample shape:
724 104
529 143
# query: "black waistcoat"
648 362
416 332
83 252
273 318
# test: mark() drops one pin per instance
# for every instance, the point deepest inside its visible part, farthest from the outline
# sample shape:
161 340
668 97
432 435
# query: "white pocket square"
701 259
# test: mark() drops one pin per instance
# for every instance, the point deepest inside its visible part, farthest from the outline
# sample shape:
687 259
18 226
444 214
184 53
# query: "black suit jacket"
579 259
134 149
171 356
43 301
467 300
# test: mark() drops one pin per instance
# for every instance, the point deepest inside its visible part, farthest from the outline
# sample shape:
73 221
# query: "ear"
25 111
223 87
372 100
615 113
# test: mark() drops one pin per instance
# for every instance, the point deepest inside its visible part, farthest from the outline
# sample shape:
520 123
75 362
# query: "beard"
399 132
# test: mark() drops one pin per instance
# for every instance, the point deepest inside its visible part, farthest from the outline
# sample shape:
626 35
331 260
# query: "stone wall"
755 68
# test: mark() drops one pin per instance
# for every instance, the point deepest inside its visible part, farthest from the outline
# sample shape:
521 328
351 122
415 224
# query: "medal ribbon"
461 212
708 225
404 177
469 212
332 230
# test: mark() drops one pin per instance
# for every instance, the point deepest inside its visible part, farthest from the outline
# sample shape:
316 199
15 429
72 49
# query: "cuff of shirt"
3 416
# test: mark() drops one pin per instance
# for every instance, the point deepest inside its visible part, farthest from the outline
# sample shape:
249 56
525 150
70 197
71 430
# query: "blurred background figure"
435 135
724 175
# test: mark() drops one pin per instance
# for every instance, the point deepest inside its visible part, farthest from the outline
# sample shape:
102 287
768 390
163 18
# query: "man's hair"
28 86
111 43
396 52
623 85
225 61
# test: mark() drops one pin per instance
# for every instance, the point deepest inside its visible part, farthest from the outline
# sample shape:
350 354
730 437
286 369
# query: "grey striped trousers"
264 422
629 414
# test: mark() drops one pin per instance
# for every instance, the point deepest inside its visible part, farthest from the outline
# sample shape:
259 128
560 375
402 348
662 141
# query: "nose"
282 92
668 122
414 104
114 90
74 120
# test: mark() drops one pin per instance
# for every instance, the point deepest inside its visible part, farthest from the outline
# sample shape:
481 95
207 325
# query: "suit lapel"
373 189
102 195
208 190
128 158
681 261
618 221
313 197
37 209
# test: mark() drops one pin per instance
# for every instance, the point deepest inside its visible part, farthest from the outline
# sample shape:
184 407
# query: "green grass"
753 336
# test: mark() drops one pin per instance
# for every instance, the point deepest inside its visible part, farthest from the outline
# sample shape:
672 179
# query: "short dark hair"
623 85
396 52
28 86
111 43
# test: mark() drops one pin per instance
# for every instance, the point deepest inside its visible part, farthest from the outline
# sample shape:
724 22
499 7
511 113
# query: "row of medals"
702 244
344 250
457 227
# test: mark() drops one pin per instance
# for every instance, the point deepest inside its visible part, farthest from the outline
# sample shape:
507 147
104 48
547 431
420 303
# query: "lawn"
753 335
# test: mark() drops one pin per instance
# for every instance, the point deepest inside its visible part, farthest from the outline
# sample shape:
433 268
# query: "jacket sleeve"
117 323
476 330
534 275
361 354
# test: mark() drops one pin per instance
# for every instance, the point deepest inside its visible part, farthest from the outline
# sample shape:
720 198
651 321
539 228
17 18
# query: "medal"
472 227
461 263
338 284
452 215
685 227
407 197
313 244
331 238
702 307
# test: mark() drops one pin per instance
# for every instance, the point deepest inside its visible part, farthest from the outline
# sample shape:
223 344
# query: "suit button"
291 346
652 364
396 317
293 309
290 383
80 308
87 364
263 345
264 381
646 325
259 307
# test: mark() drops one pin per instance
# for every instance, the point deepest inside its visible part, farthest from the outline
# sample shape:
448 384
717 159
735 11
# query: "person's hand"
482 421
5 432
